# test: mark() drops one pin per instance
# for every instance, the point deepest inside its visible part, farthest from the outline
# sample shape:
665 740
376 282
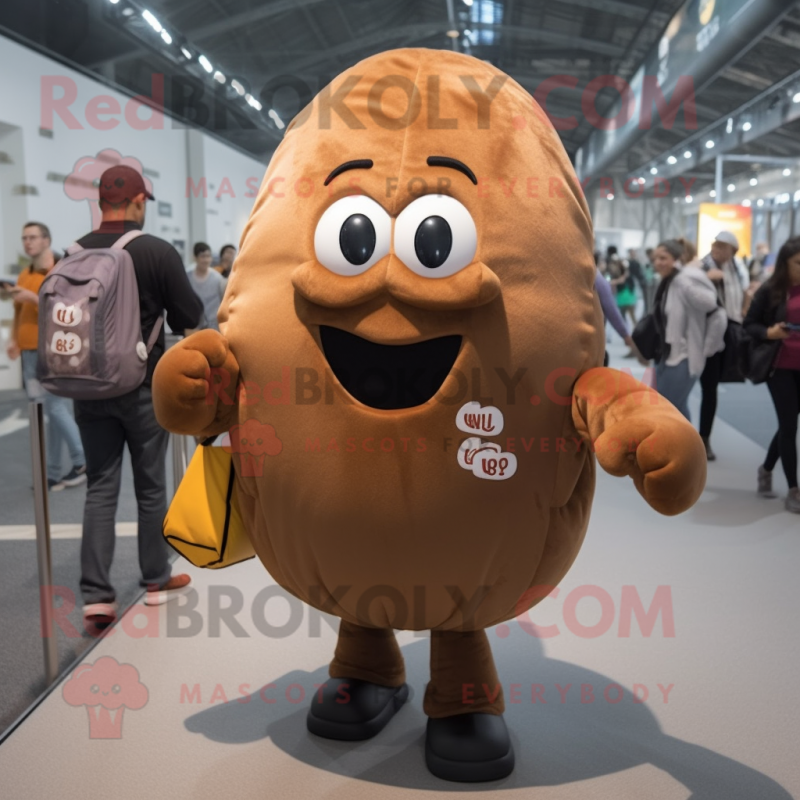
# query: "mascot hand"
194 386
639 433
663 454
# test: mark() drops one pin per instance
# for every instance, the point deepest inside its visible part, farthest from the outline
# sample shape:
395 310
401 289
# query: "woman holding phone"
774 314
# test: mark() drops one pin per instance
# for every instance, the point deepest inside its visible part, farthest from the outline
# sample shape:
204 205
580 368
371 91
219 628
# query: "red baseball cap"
121 183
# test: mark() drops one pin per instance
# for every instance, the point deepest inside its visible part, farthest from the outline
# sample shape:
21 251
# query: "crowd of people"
692 310
96 435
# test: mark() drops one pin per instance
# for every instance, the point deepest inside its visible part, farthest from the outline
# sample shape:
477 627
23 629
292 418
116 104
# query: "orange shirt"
28 322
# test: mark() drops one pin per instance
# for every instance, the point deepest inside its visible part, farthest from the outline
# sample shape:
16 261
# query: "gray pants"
106 426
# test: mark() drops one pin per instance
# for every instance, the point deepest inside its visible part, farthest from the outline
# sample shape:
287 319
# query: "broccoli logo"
253 440
106 688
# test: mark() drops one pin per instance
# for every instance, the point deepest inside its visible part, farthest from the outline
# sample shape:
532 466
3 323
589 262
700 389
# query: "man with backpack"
108 422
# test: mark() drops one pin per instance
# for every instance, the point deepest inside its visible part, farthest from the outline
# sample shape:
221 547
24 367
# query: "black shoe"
469 748
352 709
710 454
75 477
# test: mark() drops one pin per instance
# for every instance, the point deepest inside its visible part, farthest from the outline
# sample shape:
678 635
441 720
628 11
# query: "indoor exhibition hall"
399 398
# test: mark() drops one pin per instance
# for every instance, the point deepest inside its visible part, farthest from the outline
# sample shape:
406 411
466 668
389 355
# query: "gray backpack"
90 332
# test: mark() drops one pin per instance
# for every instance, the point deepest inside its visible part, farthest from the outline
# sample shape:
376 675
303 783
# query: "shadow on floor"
556 742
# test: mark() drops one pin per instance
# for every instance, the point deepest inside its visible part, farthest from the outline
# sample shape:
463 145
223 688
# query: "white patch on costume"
471 418
486 460
141 351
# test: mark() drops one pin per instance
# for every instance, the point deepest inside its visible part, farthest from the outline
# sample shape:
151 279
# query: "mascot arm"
195 386
637 432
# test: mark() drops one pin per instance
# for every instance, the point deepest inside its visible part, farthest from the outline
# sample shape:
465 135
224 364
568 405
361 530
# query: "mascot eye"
116 688
352 235
435 236
95 688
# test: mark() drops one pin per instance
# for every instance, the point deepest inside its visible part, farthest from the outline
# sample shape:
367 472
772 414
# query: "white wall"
164 153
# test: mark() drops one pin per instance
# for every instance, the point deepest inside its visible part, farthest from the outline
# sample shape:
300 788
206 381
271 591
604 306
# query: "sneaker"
793 501
55 486
100 613
175 586
765 483
710 454
75 477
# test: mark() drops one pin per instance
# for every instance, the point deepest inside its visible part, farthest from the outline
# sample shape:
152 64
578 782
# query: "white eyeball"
352 235
435 236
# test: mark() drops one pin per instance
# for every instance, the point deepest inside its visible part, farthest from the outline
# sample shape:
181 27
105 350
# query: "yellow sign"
715 218
706 11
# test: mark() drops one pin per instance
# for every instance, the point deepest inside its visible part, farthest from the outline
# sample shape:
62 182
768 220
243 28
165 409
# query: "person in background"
757 264
650 281
689 327
623 283
778 299
207 284
106 426
731 282
226 256
636 270
612 315
61 427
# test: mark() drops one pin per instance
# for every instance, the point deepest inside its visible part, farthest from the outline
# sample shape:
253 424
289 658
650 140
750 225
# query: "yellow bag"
204 523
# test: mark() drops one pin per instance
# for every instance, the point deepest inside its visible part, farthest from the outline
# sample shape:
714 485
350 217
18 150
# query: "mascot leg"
367 687
467 738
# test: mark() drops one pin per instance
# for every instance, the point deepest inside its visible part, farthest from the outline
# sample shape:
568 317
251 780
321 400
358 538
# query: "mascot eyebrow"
433 161
452 163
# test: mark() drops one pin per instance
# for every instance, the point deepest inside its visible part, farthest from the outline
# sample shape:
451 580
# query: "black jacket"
763 314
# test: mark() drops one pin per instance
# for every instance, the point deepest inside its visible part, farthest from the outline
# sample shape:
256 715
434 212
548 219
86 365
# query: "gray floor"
21 653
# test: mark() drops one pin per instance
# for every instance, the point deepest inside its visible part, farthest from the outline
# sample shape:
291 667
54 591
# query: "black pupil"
433 242
357 239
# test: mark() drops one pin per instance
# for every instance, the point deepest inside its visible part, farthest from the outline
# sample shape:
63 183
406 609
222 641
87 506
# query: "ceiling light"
186 53
273 115
672 160
747 126
754 181
219 77
731 187
113 2
787 172
154 23
641 181
252 102
127 12
760 203
687 154
688 198
729 126
746 203
797 195
237 87
453 34
709 144
712 193
166 37
205 64
796 98
610 196
654 170
467 2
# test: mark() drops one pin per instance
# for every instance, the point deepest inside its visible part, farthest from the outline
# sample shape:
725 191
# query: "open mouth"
389 376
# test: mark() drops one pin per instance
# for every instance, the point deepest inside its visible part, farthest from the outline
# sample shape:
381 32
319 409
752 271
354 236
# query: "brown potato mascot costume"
412 315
